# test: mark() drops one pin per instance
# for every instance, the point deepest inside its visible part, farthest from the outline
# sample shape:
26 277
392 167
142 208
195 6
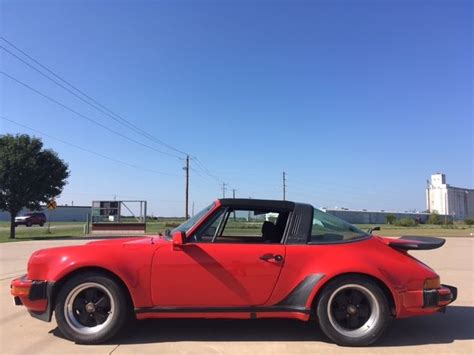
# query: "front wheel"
91 308
353 311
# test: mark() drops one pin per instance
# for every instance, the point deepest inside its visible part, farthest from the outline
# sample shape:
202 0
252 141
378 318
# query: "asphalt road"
450 333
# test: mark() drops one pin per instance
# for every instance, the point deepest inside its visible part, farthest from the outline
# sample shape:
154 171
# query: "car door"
230 273
213 275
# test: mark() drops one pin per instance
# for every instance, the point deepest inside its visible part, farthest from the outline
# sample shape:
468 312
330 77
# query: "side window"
242 226
327 228
252 226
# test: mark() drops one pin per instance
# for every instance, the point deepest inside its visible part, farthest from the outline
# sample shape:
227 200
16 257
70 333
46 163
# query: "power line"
86 149
81 95
97 105
86 117
206 170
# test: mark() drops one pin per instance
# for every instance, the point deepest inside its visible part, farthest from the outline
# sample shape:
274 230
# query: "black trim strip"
298 297
221 309
295 301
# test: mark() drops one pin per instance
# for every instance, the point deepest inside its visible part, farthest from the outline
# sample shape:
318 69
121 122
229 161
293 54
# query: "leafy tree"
435 218
469 221
29 174
406 222
390 218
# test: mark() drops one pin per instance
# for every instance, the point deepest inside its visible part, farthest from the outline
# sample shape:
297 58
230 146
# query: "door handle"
271 257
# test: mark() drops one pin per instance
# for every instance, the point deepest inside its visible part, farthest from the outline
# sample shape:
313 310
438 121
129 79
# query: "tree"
29 174
469 221
390 218
435 218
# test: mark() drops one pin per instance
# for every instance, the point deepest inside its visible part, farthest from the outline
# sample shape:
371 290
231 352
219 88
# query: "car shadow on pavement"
456 324
440 328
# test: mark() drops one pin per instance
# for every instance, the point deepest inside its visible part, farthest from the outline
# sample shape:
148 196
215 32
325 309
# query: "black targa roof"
277 205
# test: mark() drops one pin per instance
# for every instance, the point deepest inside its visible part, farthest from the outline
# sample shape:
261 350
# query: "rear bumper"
439 297
423 302
34 295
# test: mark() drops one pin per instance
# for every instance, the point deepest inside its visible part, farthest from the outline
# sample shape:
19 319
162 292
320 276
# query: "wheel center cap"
90 307
351 309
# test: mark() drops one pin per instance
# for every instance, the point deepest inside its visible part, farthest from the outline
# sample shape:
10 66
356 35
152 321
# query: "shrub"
172 224
405 222
390 218
469 221
435 218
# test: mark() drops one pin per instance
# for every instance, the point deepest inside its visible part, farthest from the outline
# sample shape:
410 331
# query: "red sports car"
237 258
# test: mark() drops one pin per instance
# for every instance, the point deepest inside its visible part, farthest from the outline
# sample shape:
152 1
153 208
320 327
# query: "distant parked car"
28 219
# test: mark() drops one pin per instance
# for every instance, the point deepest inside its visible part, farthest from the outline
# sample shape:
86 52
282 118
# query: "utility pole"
284 186
223 189
248 215
233 196
186 208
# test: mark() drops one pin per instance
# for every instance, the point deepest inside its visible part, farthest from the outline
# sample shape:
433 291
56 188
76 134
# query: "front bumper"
439 297
34 295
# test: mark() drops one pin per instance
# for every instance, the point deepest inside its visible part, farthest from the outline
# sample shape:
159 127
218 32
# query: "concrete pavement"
450 333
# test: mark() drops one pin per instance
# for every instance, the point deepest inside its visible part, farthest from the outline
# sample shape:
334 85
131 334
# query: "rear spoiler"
415 243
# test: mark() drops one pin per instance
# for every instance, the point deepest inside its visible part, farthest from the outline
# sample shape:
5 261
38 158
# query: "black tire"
41 224
353 311
78 322
28 224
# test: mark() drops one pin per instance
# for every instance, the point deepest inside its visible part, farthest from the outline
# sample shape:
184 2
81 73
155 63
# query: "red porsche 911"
237 258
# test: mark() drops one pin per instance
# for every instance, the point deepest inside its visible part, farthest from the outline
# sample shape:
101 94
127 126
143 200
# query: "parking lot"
450 333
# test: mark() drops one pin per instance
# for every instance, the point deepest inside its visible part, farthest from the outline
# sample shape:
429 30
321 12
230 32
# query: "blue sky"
358 101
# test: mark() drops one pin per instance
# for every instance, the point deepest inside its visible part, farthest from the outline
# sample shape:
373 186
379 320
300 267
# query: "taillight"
432 283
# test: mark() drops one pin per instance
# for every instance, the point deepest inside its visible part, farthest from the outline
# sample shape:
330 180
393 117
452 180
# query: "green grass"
75 229
456 230
69 229
58 230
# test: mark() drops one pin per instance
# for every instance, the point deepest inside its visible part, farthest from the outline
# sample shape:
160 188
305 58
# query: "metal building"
443 198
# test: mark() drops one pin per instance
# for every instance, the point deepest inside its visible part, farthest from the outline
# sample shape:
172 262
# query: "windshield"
328 228
185 226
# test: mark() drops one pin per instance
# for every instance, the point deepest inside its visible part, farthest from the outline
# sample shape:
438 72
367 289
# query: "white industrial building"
443 198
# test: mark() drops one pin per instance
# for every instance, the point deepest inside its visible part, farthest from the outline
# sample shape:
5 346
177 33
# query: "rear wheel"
353 311
41 224
28 224
91 308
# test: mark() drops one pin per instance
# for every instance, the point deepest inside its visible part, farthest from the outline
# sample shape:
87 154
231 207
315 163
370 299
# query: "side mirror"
179 238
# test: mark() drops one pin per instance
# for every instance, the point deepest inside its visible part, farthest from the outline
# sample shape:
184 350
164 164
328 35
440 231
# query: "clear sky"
358 101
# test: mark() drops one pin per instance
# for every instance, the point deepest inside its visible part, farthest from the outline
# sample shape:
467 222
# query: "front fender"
130 263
